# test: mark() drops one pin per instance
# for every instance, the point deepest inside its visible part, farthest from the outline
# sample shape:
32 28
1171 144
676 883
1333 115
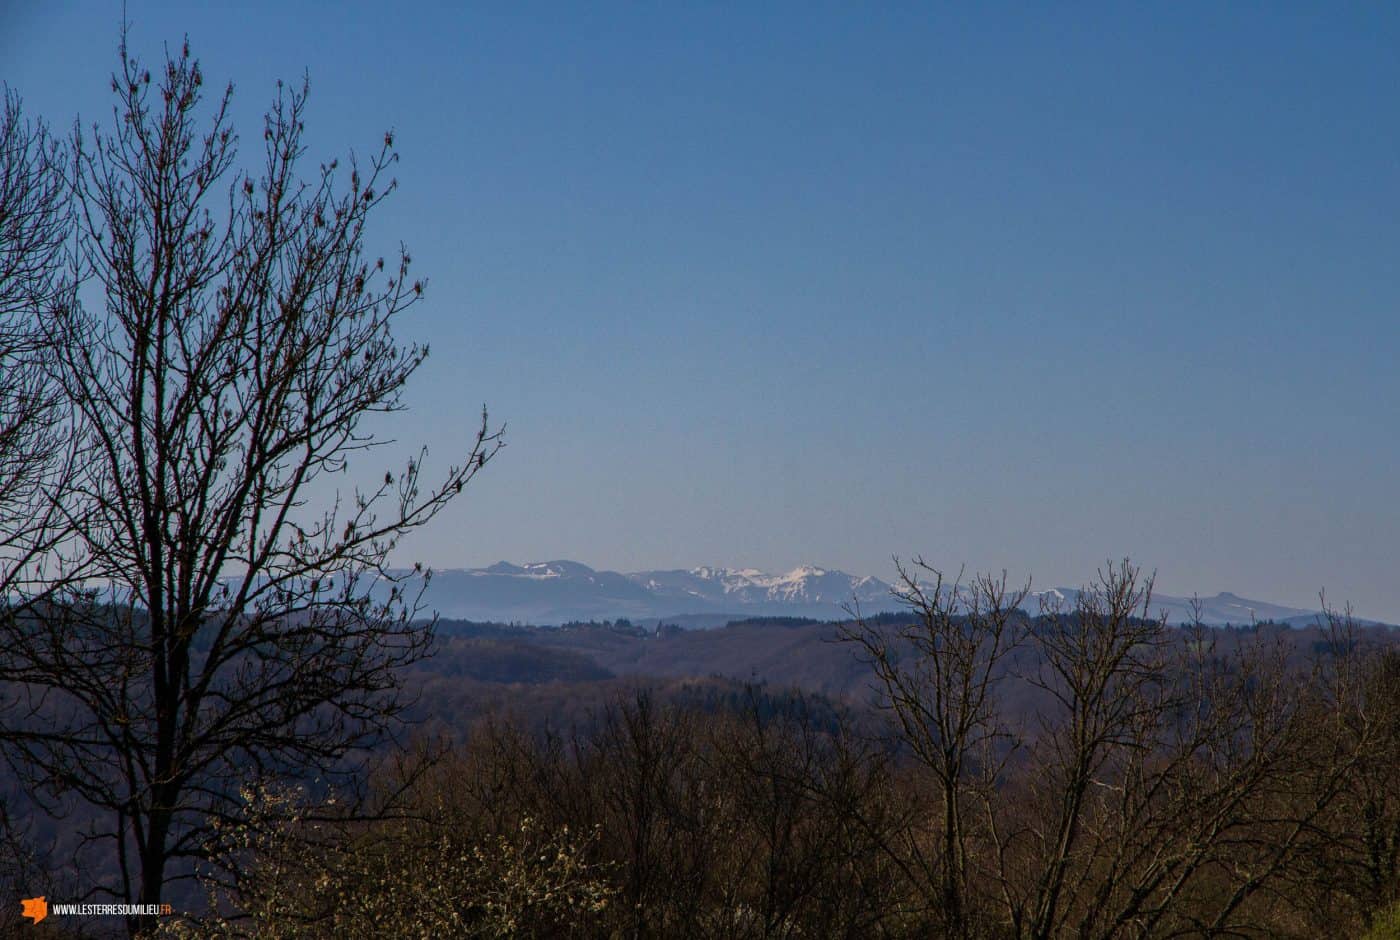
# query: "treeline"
1165 789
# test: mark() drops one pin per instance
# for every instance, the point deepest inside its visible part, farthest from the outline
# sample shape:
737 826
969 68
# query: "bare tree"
647 788
35 454
1100 664
1164 789
809 807
34 225
243 339
938 678
1350 869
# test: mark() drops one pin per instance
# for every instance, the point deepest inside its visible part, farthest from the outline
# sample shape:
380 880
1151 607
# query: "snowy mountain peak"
806 590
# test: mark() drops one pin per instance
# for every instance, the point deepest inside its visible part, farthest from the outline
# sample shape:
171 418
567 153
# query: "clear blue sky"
1019 287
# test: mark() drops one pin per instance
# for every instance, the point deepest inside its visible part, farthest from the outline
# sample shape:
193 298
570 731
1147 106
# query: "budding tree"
241 337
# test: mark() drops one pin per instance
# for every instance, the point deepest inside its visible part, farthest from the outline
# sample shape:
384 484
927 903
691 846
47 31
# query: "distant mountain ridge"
560 591
1219 610
553 592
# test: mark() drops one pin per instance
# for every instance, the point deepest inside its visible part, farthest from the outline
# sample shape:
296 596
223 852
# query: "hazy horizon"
1018 290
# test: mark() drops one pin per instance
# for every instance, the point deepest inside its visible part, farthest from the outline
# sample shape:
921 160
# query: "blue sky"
769 284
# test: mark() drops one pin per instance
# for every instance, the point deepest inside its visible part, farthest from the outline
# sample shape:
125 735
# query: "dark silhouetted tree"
938 676
34 226
239 619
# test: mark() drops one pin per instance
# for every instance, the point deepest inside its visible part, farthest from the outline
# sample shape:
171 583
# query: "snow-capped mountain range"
559 591
555 592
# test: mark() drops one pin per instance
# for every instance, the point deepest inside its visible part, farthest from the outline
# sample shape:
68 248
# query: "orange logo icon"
37 908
